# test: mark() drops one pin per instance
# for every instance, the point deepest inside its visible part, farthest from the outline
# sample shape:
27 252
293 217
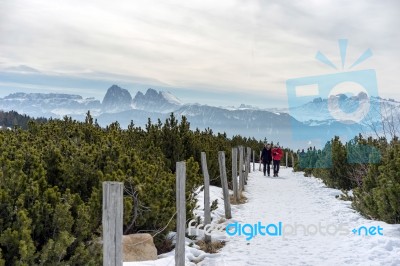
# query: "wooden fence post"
235 175
181 214
248 155
287 160
207 212
224 182
112 223
246 168
245 165
249 159
292 160
241 179
254 161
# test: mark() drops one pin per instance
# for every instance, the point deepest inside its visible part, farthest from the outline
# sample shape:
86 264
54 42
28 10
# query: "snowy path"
293 198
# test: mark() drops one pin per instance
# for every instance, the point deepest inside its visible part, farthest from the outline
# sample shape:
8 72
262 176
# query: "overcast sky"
221 52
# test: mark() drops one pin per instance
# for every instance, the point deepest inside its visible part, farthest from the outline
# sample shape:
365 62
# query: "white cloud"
213 45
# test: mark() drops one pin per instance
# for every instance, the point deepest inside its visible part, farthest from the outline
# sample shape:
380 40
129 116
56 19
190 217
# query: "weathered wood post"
112 223
287 160
207 211
245 165
181 214
249 151
254 161
224 182
248 156
292 160
249 159
245 169
235 175
241 177
259 165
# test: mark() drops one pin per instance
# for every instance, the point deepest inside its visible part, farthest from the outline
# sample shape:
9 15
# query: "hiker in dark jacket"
266 157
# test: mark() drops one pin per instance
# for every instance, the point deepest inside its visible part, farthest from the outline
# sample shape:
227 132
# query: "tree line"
11 119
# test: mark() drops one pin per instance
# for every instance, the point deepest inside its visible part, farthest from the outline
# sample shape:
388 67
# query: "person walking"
266 157
276 156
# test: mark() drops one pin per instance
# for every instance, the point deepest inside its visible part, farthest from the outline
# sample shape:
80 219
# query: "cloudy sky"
223 52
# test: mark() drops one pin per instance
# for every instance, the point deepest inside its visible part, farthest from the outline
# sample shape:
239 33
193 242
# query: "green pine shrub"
51 176
379 195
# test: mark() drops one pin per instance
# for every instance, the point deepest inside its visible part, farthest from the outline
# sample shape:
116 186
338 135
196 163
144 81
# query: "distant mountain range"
317 111
49 105
298 126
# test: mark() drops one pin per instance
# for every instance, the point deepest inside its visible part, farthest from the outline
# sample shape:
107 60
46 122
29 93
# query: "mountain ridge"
309 121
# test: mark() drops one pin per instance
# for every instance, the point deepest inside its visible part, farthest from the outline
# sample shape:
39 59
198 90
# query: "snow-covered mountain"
317 111
116 100
49 105
163 102
259 124
246 122
309 122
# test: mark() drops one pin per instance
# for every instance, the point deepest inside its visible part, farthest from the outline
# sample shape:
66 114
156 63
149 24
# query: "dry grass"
221 220
242 199
164 246
211 247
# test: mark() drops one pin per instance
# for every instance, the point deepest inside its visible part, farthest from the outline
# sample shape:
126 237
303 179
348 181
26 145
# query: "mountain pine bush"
51 178
379 195
371 167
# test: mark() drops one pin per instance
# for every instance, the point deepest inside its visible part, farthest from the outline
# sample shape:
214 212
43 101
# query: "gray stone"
138 247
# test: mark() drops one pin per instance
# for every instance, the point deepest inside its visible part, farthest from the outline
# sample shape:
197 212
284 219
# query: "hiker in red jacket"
276 157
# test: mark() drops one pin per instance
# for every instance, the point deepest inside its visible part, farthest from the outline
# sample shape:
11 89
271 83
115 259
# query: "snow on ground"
193 253
301 204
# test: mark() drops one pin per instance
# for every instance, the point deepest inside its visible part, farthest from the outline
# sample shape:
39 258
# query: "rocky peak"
117 99
156 101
